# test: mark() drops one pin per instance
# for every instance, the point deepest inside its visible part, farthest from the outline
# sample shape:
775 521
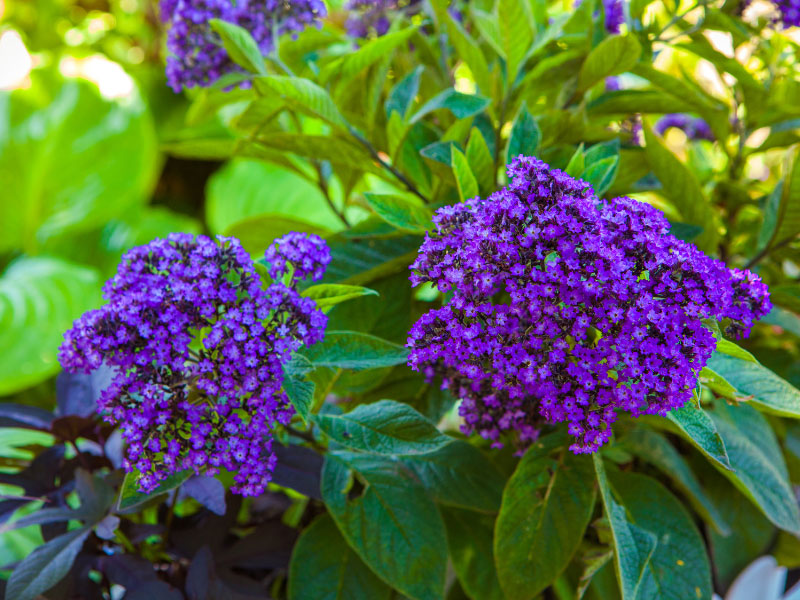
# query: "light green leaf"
460 104
324 567
516 35
681 187
633 546
788 213
759 470
758 385
39 299
698 427
338 151
402 212
613 56
302 94
465 180
46 565
354 350
480 161
525 135
469 537
131 499
601 174
547 505
657 450
330 294
392 524
239 45
576 164
352 63
383 427
626 102
469 50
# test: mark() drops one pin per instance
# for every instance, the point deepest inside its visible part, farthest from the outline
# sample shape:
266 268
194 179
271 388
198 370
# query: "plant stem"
323 186
766 251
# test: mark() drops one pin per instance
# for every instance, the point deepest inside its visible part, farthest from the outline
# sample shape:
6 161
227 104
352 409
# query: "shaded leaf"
525 135
356 351
698 427
469 538
399 211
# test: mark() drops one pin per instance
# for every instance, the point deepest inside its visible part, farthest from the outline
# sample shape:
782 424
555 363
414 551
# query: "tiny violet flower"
562 307
193 385
695 128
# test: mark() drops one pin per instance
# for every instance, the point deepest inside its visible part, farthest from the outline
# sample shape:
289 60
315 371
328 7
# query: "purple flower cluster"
370 16
307 254
196 55
562 307
198 347
695 128
790 12
615 15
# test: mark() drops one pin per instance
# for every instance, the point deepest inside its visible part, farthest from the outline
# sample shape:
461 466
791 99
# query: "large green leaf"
304 95
465 179
515 34
327 295
547 505
391 522
384 427
785 223
70 160
39 299
657 450
355 350
467 49
46 565
758 385
324 567
633 546
759 469
400 211
244 189
614 55
469 538
458 474
459 104
681 187
402 96
481 162
698 427
352 63
239 45
525 136
678 568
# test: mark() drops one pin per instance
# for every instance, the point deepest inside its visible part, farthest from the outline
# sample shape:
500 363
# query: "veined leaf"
330 294
354 350
303 94
351 64
300 392
239 45
465 180
402 96
480 161
613 56
459 104
698 427
401 212
515 35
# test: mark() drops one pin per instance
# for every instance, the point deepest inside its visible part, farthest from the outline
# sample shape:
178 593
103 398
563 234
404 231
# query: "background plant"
358 140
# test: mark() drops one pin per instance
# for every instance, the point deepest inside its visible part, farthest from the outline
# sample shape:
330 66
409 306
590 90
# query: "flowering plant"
493 299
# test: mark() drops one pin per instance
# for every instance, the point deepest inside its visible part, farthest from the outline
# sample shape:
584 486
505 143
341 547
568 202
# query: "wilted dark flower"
198 346
695 128
563 307
196 55
374 16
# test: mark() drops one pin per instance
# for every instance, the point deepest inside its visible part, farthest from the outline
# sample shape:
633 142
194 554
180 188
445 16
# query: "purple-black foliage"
695 128
564 307
196 55
198 347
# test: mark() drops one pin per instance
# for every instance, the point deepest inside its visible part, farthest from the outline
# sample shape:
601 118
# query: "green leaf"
460 104
480 161
682 188
354 350
39 299
401 212
759 470
698 427
402 96
525 135
788 213
330 294
718 384
515 35
613 56
70 160
300 393
760 387
303 94
46 565
633 546
131 499
239 45
657 450
547 505
324 567
468 50
465 180
469 538
601 174
440 152
576 164
258 232
787 295
339 152
245 189
626 102
201 148
352 63
459 475
391 524
383 427
678 568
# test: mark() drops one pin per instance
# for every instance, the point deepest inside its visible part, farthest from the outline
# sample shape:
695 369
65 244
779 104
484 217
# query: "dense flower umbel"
695 128
563 307
198 346
790 12
196 55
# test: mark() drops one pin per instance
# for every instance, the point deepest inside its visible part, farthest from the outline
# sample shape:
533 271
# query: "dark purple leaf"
298 468
139 532
154 590
70 428
7 508
77 393
106 528
28 417
127 570
208 491
268 547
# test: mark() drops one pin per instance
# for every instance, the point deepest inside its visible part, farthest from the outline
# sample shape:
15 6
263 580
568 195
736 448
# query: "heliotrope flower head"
695 128
562 307
198 346
307 254
196 55
790 12
614 14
